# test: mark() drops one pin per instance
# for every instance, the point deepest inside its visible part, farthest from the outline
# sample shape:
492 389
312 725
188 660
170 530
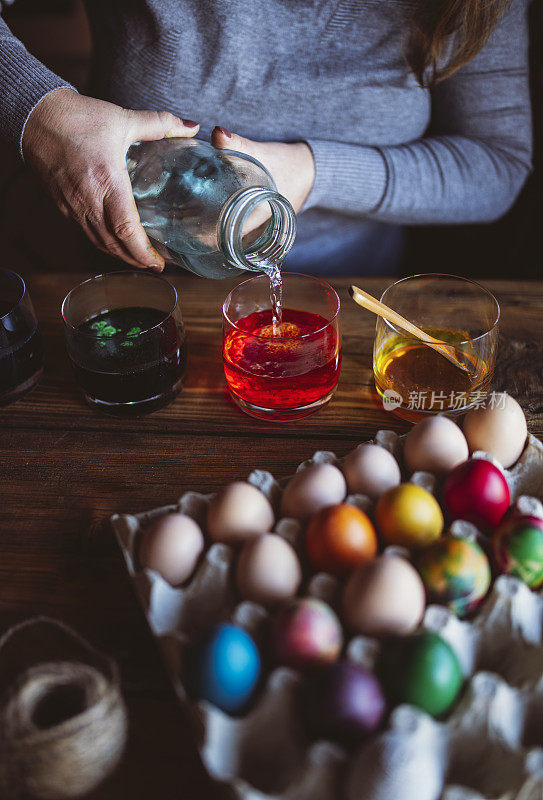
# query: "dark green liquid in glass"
130 361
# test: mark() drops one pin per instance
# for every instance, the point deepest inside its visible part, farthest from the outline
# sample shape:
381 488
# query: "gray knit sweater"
332 73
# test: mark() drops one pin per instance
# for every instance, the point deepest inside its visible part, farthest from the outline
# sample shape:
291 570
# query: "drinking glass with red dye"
282 361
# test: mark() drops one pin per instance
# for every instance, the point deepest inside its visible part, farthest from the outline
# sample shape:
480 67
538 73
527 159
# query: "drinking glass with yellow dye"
412 378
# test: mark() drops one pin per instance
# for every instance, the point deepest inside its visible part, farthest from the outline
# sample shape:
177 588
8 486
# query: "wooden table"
66 469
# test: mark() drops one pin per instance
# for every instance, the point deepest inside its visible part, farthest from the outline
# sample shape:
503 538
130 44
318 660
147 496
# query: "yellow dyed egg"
408 515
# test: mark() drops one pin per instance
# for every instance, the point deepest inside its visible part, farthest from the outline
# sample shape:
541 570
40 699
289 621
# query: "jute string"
62 723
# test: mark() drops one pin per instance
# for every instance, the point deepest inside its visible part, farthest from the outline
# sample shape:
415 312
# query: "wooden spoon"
448 351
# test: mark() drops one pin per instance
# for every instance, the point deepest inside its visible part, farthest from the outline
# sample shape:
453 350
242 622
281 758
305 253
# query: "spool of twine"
63 729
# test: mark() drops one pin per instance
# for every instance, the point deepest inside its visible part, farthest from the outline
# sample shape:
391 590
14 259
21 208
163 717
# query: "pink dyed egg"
306 632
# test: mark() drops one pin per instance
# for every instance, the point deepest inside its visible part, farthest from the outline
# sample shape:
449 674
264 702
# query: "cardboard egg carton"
487 748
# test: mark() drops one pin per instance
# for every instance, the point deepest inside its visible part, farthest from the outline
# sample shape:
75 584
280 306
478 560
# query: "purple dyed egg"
306 632
342 702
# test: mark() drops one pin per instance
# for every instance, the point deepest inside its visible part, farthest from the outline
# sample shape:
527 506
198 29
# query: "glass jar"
214 212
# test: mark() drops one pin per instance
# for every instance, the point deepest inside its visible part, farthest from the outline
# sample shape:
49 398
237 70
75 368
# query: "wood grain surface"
65 469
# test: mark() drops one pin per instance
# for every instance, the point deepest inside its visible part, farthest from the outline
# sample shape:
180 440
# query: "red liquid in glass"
296 368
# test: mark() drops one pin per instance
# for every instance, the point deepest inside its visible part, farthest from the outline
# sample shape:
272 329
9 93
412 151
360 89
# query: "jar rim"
230 227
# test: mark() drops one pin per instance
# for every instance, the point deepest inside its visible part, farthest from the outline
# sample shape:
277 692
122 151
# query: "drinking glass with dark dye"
21 350
126 340
287 368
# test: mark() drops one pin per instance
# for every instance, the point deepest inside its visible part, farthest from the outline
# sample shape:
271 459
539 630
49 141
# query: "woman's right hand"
77 146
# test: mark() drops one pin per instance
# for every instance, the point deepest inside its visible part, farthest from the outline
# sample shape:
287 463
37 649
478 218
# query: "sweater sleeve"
24 81
471 165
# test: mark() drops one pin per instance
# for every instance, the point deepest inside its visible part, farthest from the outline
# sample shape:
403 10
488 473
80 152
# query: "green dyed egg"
455 572
422 670
517 546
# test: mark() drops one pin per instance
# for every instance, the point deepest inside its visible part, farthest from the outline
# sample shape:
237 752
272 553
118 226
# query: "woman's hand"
291 165
77 145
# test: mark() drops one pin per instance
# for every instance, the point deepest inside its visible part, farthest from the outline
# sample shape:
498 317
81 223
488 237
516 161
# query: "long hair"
446 34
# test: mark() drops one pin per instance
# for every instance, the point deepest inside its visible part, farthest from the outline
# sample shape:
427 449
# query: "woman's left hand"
291 165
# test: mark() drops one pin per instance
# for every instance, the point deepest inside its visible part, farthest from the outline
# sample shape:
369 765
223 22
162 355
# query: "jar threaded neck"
272 246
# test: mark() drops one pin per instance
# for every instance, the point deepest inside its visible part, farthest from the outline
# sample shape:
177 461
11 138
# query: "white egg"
171 545
268 570
498 428
384 597
238 512
311 489
371 470
436 444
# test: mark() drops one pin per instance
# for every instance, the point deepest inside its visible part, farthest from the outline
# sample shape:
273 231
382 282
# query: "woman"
368 113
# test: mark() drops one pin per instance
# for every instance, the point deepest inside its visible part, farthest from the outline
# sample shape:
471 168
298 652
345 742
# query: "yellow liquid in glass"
426 381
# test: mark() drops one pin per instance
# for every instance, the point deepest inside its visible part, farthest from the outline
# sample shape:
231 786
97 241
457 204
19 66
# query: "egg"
455 572
304 633
268 570
517 547
384 598
517 514
339 538
226 668
311 489
171 545
408 515
239 512
436 444
477 491
343 702
498 428
422 670
370 470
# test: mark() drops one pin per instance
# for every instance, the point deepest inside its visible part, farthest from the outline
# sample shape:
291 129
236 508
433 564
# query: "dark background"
56 31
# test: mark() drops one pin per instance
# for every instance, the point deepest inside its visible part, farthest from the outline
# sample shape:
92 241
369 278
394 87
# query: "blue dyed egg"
228 668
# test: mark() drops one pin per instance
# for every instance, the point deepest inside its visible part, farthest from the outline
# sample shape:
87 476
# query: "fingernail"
223 131
156 267
189 123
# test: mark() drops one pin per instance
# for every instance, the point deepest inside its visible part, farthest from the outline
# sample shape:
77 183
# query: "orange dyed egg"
340 538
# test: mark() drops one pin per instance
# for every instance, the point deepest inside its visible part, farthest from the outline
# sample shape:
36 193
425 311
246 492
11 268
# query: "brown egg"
384 597
498 428
268 570
371 470
311 489
239 512
171 545
436 444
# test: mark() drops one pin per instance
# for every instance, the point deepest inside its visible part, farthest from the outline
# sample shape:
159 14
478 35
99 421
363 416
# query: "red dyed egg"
477 491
